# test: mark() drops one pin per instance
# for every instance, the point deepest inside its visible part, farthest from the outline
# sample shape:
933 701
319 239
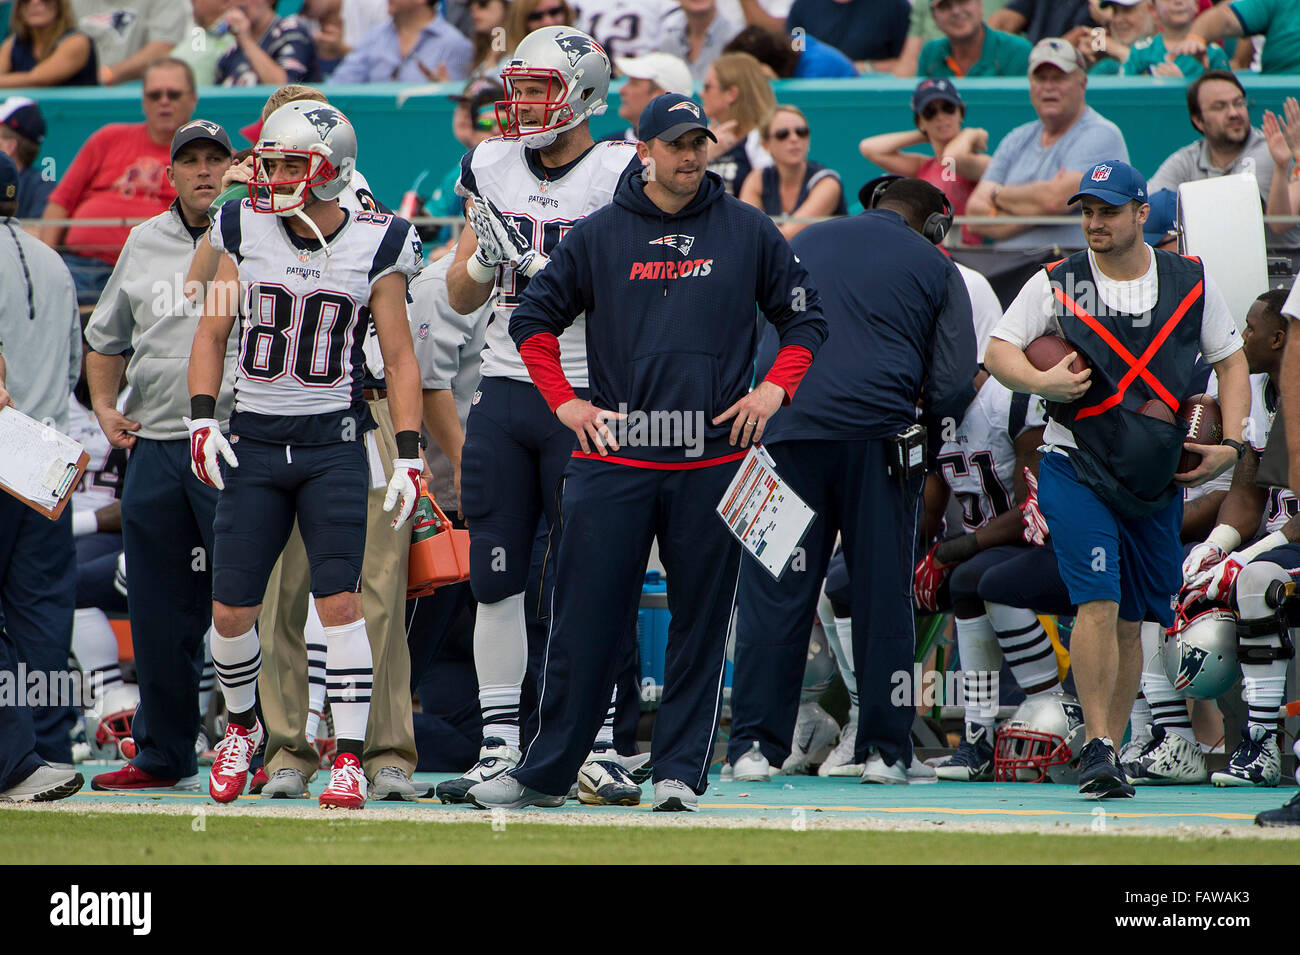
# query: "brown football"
1046 352
1155 408
1204 426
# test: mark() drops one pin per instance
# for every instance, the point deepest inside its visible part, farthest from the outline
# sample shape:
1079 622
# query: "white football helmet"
315 131
1043 740
575 69
114 712
1199 652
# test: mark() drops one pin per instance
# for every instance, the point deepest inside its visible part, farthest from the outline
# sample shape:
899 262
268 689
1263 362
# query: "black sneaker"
1099 774
1287 815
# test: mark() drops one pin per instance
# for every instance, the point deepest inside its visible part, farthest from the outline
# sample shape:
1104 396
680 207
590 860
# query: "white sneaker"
45 784
393 785
1167 760
1257 761
505 792
815 733
752 766
919 773
285 784
673 795
877 771
494 759
839 762
602 781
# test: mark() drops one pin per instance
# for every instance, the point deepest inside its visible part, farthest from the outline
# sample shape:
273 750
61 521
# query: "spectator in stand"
922 30
525 16
1127 22
480 109
120 172
22 130
1277 20
202 50
488 38
337 26
786 57
697 31
769 14
1036 168
416 45
736 97
960 155
270 50
793 185
1284 145
1151 56
45 48
869 32
632 27
969 47
1038 19
128 36
1217 107
647 77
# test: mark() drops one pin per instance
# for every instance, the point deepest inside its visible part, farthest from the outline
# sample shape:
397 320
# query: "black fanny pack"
1128 459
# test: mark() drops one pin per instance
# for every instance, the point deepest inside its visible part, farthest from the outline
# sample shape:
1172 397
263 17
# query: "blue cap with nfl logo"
670 115
8 179
1113 182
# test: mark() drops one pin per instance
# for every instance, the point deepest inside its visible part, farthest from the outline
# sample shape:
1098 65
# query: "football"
1155 408
1046 352
1204 426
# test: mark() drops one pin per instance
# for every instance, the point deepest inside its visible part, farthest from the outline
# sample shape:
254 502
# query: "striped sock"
605 735
1168 706
981 662
501 659
237 660
1027 648
349 678
317 649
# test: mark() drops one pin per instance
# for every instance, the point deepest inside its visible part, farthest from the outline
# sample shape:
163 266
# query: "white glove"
494 241
530 263
206 442
1203 556
403 487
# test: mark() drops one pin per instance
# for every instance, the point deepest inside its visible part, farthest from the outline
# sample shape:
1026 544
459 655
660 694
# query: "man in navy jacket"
901 331
669 275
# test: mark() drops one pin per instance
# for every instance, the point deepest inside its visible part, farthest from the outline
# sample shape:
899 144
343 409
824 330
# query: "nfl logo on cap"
1101 173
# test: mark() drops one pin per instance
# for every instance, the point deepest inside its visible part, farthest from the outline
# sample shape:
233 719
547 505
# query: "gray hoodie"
143 307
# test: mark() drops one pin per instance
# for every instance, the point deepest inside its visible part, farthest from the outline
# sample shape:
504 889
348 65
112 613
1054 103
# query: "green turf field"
87 838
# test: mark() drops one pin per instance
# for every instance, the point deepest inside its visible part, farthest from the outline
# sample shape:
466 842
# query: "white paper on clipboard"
763 513
36 461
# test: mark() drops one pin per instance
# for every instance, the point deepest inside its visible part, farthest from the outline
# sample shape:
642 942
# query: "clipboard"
763 513
38 465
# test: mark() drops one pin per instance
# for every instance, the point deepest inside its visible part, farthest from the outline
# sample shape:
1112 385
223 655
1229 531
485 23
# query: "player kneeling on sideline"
984 463
315 275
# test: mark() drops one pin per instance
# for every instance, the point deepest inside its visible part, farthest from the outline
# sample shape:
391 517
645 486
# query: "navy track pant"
847 485
167 516
18 758
610 515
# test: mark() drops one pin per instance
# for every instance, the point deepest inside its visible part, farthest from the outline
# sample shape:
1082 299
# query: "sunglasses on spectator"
782 135
482 4
155 95
487 122
548 12
933 109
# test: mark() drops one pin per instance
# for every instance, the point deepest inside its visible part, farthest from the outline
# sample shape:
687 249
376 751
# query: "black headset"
937 225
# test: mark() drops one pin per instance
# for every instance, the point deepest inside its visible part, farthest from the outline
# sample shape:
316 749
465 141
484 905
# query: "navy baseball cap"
668 116
1163 217
1114 182
927 91
200 129
8 179
23 116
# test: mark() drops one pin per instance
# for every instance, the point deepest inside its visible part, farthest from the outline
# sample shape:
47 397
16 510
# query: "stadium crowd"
454 678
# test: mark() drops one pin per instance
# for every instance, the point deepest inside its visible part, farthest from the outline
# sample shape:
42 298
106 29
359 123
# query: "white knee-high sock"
1168 706
501 659
314 636
1027 648
981 662
349 677
95 646
1263 684
605 735
237 660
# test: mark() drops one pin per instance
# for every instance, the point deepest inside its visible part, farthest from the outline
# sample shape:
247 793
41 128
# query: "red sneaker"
347 786
230 768
260 779
127 778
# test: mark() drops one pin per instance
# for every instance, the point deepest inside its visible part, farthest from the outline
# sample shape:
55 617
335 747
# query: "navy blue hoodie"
669 302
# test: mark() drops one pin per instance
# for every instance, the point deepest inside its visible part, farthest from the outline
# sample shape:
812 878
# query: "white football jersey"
543 210
101 485
979 464
305 313
623 27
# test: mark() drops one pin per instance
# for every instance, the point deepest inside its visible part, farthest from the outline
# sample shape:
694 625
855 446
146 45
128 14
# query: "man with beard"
1217 107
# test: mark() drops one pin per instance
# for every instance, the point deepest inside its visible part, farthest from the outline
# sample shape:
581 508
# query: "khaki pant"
282 685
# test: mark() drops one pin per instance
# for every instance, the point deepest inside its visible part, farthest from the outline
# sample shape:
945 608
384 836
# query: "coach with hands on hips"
668 274
1107 487
899 320
167 512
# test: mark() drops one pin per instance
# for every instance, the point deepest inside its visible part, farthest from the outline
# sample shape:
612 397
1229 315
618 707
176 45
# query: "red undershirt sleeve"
541 355
792 362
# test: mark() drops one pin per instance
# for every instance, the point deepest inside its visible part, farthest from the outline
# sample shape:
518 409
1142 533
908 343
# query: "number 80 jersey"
305 314
543 204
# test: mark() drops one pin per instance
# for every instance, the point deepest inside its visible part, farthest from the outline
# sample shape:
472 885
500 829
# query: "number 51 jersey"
305 314
543 204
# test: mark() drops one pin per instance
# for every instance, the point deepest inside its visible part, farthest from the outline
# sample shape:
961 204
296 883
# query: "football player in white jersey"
525 189
1224 572
315 274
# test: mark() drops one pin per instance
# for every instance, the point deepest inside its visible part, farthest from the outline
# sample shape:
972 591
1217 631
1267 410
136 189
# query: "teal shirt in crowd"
1279 21
1147 53
1003 55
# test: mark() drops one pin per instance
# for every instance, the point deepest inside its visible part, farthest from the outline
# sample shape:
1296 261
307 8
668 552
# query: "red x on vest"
1136 366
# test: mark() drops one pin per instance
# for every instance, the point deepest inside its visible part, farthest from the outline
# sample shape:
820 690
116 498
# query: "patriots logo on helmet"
688 106
1073 713
1190 668
577 45
324 120
1101 173
682 243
